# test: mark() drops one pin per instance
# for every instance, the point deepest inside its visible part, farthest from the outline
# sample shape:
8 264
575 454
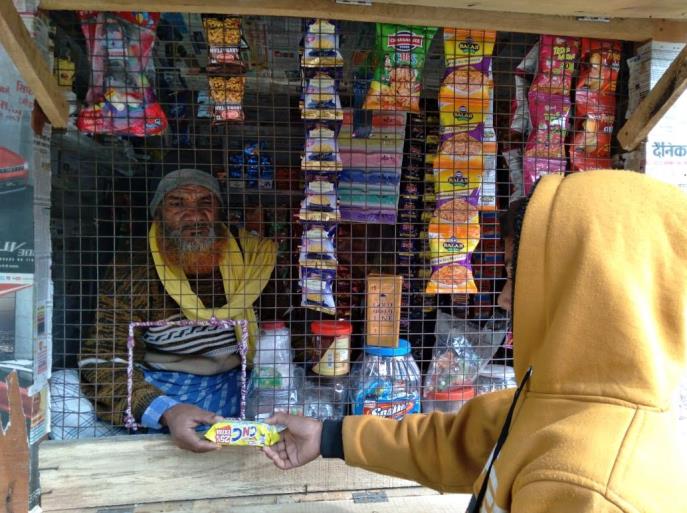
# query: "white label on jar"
335 361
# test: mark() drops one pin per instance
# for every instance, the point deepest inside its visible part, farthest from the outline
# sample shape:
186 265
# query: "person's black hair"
511 222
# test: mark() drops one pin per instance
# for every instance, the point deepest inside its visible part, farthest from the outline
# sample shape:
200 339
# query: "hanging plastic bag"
462 349
120 99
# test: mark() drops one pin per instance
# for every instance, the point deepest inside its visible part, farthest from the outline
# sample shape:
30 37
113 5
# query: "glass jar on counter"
386 382
330 347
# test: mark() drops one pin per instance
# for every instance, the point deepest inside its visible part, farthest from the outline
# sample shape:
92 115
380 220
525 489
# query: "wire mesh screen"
343 194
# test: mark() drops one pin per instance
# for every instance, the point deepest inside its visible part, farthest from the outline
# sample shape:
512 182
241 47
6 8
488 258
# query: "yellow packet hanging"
467 47
465 114
243 432
461 178
462 83
450 242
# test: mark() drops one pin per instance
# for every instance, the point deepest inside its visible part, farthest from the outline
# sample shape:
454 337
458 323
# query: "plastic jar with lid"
386 382
272 367
448 401
324 397
330 347
495 377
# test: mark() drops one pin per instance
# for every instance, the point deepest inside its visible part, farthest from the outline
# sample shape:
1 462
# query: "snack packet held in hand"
397 81
243 432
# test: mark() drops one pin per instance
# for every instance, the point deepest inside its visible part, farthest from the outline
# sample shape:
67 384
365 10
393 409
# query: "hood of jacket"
600 305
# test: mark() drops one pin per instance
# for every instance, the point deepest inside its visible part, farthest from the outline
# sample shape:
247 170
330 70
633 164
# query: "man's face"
505 299
188 215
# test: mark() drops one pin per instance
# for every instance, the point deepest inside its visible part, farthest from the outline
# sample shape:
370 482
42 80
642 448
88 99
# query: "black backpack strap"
237 237
476 501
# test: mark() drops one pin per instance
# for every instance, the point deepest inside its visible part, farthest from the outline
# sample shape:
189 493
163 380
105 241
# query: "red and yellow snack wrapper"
243 432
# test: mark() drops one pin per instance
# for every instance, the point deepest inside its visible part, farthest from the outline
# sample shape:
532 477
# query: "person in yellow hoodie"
600 331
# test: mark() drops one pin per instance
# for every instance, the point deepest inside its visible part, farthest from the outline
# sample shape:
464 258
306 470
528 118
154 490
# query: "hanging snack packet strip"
120 99
321 62
467 151
321 98
557 57
595 105
223 35
225 67
227 98
318 249
451 245
321 45
397 81
318 289
549 105
321 151
466 112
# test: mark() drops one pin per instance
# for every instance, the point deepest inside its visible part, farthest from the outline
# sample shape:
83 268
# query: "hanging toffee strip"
129 420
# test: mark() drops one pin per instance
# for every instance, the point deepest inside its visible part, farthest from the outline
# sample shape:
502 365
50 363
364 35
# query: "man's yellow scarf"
244 277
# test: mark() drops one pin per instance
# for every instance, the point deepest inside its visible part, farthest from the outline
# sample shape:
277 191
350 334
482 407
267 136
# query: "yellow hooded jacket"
601 317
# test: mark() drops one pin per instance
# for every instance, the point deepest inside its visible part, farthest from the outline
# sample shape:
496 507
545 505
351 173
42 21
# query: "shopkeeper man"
195 267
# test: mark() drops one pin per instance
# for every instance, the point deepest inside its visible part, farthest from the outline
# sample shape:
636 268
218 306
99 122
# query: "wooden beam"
119 471
14 452
19 45
657 103
670 9
628 29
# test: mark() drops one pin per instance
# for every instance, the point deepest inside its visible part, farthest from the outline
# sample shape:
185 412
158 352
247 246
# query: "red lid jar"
330 347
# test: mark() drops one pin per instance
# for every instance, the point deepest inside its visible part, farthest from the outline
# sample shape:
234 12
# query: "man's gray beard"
185 246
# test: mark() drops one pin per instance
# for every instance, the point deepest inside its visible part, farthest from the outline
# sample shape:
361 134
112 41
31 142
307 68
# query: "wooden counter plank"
259 502
149 469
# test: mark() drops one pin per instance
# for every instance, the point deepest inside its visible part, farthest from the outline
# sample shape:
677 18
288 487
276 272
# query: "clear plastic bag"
461 351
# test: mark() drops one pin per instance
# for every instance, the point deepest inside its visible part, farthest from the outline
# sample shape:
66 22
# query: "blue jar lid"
402 349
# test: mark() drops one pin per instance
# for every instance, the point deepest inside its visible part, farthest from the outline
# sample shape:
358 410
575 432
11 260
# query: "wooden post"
652 108
14 454
19 45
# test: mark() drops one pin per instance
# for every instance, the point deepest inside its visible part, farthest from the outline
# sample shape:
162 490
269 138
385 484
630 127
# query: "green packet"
397 81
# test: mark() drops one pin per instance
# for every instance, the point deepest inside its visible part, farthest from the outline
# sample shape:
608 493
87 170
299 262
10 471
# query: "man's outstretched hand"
299 444
182 420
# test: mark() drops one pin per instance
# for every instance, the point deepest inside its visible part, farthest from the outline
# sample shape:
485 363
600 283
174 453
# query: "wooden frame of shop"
148 473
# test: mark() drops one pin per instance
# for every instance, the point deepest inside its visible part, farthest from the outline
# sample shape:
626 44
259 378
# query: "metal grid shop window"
368 164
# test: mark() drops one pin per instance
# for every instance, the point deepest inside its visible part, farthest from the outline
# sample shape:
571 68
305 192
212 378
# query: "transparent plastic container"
449 401
262 403
386 382
324 398
495 377
272 367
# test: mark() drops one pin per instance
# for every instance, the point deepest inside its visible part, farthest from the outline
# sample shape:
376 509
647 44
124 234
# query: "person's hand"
299 444
182 420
